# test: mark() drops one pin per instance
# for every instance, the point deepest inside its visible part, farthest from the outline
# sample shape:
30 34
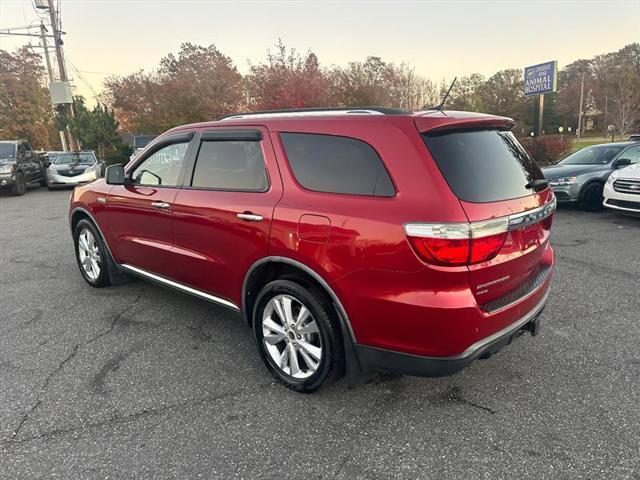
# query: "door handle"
162 205
250 217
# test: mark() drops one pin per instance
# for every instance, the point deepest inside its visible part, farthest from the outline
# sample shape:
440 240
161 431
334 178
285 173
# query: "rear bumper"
378 359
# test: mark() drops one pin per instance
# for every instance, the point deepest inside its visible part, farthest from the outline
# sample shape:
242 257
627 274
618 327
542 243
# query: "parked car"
19 166
622 190
634 137
352 240
73 168
581 176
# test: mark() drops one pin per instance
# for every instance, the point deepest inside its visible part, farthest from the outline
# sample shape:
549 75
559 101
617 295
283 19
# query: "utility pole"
43 37
540 112
67 110
579 132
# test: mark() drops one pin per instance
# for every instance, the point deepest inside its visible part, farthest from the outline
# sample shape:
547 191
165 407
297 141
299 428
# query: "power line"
82 79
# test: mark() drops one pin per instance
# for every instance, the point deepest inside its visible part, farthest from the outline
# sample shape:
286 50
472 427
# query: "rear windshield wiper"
537 185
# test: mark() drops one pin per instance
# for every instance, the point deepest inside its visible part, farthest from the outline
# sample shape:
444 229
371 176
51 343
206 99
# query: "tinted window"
327 163
598 155
162 167
483 165
230 165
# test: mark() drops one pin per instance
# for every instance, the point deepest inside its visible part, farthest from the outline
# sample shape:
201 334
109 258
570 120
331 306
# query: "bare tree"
626 101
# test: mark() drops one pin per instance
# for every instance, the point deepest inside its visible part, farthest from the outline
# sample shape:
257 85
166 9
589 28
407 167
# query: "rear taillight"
453 244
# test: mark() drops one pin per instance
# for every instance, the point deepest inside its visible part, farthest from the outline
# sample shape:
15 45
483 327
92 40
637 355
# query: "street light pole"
579 132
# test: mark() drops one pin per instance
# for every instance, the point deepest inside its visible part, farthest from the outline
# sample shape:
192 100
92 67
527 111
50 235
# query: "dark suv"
20 165
352 240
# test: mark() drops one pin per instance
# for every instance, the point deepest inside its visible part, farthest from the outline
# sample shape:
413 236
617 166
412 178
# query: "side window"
230 165
333 164
162 167
22 150
632 154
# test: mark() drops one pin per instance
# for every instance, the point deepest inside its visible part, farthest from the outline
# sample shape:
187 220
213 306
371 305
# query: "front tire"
297 335
20 187
592 198
91 254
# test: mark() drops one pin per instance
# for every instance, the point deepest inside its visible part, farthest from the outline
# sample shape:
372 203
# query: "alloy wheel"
291 336
89 254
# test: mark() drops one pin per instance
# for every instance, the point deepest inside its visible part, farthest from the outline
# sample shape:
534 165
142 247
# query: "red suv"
352 240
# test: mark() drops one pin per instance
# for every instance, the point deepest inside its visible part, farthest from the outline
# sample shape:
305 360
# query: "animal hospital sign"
541 78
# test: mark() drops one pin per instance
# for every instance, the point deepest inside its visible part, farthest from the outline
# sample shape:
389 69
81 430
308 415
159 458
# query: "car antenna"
444 99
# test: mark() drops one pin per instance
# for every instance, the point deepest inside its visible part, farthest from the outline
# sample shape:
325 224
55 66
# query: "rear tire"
20 187
592 198
91 255
297 336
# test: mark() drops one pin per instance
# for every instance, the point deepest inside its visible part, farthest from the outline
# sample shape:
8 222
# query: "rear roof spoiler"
439 124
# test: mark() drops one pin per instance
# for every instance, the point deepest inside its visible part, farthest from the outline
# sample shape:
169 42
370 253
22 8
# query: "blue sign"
541 78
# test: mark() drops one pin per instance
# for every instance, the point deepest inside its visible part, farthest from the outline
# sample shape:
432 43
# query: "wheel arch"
80 213
593 181
270 268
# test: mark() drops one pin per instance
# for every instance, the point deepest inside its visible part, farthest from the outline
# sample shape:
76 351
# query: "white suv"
622 190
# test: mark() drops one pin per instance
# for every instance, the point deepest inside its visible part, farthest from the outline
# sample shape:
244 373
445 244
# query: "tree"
96 129
25 107
287 80
381 83
626 100
466 94
198 84
503 94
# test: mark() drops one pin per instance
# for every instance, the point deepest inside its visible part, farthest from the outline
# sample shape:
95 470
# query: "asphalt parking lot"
137 381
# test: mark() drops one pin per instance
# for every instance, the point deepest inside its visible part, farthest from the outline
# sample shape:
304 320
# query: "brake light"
454 244
485 248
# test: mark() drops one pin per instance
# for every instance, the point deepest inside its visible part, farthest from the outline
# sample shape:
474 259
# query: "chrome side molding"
178 286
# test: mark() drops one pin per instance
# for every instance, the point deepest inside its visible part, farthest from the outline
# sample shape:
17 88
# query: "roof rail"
319 111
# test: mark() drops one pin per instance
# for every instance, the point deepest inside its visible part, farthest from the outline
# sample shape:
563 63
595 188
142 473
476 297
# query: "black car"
20 165
580 177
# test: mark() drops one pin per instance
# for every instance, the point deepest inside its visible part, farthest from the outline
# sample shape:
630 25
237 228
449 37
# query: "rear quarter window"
334 164
483 165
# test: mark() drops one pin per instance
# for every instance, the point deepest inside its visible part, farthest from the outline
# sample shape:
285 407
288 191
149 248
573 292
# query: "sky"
440 39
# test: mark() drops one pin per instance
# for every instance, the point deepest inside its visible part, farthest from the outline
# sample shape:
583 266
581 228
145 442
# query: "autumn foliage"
201 83
25 107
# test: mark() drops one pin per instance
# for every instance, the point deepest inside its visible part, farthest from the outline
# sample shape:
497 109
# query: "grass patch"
577 144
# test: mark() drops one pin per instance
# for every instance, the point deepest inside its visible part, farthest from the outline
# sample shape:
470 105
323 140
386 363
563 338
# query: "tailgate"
522 263
494 178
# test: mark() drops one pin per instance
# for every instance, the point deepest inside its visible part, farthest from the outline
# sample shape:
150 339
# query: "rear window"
333 164
483 165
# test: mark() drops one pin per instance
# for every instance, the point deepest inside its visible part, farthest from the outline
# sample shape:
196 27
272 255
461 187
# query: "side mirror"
621 162
115 175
